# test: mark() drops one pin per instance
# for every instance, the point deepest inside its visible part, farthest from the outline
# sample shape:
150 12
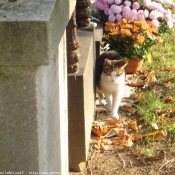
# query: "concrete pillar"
33 87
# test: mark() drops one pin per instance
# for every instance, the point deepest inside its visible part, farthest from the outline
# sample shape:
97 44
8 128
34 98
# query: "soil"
115 161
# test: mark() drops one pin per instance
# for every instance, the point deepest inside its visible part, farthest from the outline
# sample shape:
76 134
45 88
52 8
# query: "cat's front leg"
115 105
109 102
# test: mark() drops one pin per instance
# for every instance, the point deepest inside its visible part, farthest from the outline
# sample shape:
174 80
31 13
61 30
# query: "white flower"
170 24
156 23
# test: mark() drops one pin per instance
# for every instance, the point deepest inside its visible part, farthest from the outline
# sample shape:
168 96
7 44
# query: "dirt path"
115 161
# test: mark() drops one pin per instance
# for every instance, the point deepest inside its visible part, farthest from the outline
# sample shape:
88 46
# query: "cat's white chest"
112 83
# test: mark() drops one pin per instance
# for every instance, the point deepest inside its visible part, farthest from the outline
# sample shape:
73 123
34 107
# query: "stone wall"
33 87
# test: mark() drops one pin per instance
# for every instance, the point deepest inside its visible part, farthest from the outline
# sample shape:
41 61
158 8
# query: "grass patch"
154 99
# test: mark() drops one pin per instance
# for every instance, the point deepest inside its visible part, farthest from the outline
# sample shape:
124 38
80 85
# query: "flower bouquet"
131 39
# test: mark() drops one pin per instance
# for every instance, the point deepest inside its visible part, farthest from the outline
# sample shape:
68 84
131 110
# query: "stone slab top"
30 30
26 10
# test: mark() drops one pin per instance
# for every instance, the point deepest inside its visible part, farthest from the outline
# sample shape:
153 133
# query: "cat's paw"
116 116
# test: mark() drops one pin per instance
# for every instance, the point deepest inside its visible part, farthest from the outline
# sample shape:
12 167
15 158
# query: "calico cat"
110 80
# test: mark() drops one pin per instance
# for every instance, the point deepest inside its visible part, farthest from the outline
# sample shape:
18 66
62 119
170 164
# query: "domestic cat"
110 80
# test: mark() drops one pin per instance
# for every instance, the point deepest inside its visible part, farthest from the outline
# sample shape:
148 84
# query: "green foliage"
154 99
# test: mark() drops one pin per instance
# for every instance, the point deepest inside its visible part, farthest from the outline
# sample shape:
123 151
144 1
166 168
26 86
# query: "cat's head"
114 68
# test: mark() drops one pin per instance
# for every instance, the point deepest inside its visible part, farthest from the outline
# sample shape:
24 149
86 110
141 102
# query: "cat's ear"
107 61
123 62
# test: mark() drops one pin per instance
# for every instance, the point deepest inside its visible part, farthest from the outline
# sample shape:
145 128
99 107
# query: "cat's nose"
112 80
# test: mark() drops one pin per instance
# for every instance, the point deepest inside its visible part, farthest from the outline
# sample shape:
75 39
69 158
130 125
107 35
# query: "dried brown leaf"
170 69
138 83
168 84
117 132
162 112
115 123
169 99
99 128
133 125
158 135
131 110
126 143
103 147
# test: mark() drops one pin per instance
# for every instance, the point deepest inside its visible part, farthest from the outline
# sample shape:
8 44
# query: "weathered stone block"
30 33
81 102
33 117
33 87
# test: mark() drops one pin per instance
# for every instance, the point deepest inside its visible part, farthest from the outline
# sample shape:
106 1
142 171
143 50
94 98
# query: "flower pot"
134 65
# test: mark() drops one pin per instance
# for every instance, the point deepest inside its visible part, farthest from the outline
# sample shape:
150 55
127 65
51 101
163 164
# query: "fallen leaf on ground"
141 74
169 99
97 147
115 124
168 84
138 83
117 132
169 69
137 96
155 126
162 112
103 147
172 110
157 135
125 100
133 125
99 128
131 110
126 143
150 79
142 79
167 120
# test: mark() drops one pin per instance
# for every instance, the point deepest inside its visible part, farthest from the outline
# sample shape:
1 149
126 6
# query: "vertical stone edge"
52 113
89 99
63 105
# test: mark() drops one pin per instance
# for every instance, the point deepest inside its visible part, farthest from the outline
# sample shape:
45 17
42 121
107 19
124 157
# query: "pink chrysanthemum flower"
117 9
146 3
156 23
136 5
126 9
110 1
153 5
127 3
111 18
118 17
133 14
106 11
140 15
153 14
111 11
118 2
